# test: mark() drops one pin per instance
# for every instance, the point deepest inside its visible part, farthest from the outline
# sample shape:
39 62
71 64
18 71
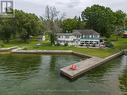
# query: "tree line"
24 25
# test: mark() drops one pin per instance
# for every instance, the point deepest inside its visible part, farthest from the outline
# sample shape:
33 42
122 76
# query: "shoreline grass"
99 52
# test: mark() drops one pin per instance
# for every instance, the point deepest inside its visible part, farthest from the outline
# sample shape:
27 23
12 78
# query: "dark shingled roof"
79 32
85 32
76 33
64 34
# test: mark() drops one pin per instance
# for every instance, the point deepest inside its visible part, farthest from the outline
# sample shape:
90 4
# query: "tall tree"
69 25
22 25
52 22
99 18
27 25
125 23
119 23
6 29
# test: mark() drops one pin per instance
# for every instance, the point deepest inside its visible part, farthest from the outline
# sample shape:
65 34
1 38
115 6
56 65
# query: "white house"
79 37
63 38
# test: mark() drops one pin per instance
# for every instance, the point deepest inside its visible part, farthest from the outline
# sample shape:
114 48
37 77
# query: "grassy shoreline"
99 52
89 51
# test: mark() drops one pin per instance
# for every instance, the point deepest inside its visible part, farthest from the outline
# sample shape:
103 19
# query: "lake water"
40 75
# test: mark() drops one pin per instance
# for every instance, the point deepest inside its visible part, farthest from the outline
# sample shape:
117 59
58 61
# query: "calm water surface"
40 75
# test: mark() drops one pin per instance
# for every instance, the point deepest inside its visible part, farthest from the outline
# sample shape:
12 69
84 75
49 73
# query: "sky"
70 7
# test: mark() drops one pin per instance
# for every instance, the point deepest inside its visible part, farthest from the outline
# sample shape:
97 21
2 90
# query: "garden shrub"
66 44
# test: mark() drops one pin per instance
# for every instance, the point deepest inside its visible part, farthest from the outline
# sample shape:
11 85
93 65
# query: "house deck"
82 67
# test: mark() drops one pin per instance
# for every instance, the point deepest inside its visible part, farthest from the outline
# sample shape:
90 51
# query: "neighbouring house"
125 34
80 38
41 38
65 38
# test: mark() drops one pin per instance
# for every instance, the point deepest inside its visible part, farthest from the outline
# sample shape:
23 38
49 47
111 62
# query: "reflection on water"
40 75
19 66
123 78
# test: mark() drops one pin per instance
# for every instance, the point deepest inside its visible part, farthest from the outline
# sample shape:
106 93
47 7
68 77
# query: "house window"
67 37
83 36
78 36
87 36
95 36
90 36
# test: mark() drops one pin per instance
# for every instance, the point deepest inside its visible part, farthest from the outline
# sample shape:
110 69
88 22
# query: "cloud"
73 3
70 7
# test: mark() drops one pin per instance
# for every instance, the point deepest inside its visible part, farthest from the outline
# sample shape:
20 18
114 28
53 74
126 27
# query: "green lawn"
93 52
118 45
121 43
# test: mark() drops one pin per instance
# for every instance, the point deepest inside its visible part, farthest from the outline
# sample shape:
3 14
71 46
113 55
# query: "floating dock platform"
86 65
82 66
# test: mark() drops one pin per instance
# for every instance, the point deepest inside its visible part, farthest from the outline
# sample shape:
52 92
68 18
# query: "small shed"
41 38
125 34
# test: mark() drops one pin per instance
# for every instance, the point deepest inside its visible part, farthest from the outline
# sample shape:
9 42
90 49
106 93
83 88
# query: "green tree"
69 25
120 16
119 23
27 25
6 29
125 23
22 26
99 18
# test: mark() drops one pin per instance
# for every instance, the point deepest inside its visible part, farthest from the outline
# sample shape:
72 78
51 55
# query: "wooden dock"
82 67
87 65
